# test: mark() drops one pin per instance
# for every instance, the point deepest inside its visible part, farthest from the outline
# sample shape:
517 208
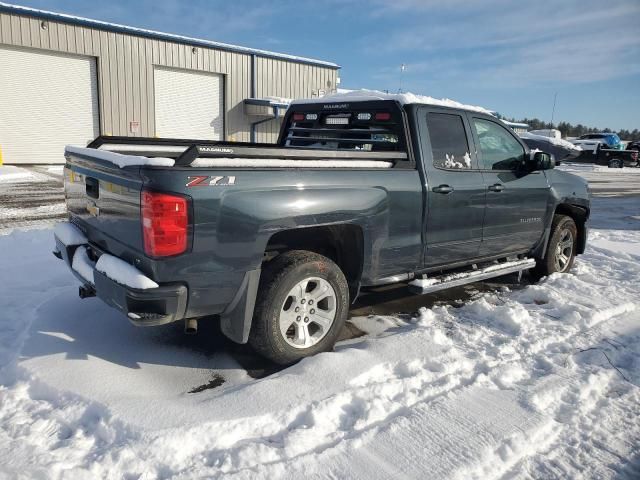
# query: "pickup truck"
610 157
276 241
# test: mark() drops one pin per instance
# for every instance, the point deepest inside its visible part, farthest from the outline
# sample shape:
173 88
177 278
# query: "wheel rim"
564 250
308 312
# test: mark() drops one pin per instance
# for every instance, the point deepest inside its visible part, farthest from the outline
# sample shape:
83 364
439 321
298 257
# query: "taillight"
298 117
165 223
384 116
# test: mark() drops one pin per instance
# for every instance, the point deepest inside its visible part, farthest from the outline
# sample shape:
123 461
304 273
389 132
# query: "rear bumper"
143 307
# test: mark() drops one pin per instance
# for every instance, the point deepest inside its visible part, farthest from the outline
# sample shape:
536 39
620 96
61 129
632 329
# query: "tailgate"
104 200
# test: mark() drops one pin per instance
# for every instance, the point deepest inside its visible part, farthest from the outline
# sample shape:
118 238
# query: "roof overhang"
141 32
265 107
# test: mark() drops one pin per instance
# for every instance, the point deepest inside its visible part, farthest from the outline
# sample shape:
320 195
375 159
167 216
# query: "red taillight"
384 116
165 222
298 117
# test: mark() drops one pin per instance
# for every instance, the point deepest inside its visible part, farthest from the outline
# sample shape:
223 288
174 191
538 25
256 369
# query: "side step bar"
428 285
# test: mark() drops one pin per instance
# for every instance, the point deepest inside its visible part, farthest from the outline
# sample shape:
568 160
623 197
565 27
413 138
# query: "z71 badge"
206 181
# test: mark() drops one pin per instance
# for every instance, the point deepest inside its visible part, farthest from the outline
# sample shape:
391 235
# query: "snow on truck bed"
538 382
122 161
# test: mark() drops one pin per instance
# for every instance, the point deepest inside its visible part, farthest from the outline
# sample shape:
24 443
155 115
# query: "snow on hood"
404 98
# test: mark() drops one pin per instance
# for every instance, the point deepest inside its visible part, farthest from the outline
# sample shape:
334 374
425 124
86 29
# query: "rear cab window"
360 126
350 130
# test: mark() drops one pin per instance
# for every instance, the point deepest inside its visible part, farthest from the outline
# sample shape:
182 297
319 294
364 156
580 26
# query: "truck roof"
402 98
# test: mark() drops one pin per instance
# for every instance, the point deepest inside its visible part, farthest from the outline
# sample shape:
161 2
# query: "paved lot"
607 182
31 197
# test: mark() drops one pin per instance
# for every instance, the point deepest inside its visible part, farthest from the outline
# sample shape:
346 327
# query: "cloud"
510 43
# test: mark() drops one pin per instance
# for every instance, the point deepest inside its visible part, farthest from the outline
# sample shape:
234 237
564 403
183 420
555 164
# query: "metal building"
65 80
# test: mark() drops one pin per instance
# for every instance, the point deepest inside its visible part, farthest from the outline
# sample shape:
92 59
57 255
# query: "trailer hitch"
86 292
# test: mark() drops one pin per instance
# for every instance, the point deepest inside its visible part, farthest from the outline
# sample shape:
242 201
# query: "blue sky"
509 56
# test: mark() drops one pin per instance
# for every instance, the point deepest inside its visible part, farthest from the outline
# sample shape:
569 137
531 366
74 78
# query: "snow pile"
118 159
276 163
555 141
69 234
9 173
123 273
533 382
404 98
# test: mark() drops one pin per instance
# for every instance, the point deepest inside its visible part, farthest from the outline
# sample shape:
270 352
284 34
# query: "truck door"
455 191
517 200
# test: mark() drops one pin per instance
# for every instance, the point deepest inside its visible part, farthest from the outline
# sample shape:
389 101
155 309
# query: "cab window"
499 150
449 145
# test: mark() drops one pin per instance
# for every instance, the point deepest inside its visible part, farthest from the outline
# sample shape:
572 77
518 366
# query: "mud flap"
235 321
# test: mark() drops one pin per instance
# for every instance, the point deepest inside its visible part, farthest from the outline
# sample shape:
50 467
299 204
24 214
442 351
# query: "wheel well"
344 244
580 216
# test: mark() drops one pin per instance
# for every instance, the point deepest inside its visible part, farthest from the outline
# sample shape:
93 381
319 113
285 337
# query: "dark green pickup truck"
275 241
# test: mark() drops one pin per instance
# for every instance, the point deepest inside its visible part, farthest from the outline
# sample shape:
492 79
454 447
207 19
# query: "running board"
428 285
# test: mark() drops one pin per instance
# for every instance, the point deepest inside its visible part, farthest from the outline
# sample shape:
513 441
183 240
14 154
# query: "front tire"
561 250
302 304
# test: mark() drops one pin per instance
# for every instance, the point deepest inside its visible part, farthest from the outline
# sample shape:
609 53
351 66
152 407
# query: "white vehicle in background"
547 132
590 141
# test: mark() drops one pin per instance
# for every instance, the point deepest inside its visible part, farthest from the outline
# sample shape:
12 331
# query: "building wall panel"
125 73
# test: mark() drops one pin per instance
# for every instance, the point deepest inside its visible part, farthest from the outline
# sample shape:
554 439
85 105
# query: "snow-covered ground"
534 382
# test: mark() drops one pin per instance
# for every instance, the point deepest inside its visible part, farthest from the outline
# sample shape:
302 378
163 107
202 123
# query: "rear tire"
561 250
302 304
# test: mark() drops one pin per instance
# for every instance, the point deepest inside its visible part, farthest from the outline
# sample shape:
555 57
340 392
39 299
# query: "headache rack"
370 126
186 151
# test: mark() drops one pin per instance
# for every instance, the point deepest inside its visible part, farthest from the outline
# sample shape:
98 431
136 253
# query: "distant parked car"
591 141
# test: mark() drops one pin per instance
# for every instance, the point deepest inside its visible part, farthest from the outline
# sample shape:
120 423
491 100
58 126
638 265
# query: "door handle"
496 188
442 189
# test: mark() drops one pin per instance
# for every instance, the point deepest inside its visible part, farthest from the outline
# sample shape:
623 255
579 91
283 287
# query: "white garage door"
188 104
47 100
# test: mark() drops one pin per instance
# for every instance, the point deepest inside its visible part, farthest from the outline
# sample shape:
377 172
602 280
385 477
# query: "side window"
449 144
500 151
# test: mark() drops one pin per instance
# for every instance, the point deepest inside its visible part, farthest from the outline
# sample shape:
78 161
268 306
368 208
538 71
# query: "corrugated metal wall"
290 80
125 73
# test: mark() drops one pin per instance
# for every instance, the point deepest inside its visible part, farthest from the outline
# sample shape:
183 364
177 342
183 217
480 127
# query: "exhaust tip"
191 326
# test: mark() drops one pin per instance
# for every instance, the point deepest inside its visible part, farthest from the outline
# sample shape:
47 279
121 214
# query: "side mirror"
543 161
